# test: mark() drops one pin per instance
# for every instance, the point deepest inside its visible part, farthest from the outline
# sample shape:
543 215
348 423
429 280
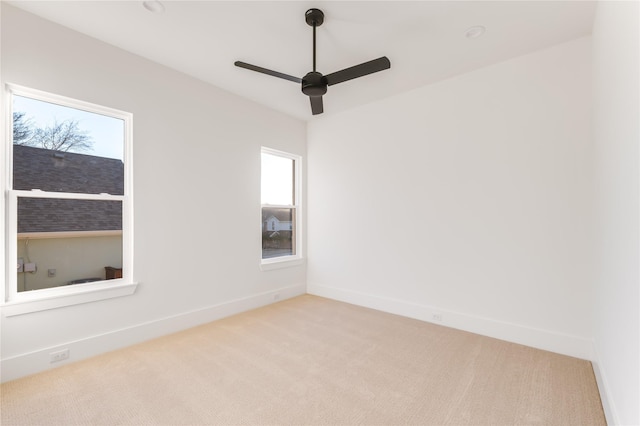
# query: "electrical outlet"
30 267
20 264
436 317
59 355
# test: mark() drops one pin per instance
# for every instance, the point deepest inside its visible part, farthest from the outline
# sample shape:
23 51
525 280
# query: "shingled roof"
47 170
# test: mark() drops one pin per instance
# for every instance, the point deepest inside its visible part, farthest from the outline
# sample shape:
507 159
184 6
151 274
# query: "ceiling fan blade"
268 72
356 71
316 105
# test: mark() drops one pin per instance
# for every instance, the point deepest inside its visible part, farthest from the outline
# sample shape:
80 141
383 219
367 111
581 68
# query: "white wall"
197 188
616 40
470 198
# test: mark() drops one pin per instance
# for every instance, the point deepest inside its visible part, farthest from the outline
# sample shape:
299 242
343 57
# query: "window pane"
278 232
65 261
59 215
62 149
58 243
277 180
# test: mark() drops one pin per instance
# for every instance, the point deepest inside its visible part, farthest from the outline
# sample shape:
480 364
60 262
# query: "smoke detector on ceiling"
153 6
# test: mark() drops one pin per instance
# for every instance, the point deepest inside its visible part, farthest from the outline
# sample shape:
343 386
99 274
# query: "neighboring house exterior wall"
277 219
72 259
273 224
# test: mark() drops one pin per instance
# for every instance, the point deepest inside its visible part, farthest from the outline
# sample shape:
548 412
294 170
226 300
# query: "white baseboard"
34 362
610 412
565 344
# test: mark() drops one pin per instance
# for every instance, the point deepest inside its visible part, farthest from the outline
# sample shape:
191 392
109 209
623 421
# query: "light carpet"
312 361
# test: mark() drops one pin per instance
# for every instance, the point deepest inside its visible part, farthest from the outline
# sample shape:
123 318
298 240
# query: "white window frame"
18 303
297 258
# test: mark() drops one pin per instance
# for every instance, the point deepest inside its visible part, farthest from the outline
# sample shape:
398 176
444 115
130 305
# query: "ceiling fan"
314 84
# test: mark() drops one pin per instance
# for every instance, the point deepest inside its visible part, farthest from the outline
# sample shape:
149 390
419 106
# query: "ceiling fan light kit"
314 84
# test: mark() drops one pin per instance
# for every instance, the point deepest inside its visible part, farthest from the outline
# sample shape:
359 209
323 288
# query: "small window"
70 200
280 184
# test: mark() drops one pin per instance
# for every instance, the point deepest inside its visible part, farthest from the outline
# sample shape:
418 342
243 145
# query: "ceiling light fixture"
153 6
475 32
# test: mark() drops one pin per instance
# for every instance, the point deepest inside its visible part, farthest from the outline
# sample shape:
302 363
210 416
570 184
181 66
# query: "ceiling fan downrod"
314 18
314 84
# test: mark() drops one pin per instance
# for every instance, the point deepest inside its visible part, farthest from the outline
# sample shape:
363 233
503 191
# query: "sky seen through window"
107 133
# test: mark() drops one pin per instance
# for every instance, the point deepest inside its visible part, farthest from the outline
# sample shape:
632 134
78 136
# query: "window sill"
281 262
29 303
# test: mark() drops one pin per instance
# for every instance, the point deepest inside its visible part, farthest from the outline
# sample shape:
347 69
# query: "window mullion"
65 195
279 206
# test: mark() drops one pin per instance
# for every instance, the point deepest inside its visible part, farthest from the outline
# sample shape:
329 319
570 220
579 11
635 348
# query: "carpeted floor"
312 361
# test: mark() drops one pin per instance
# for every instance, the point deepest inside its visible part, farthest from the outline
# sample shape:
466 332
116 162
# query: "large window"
69 196
280 174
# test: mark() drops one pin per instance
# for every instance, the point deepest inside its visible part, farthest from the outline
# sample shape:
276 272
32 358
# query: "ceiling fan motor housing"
314 84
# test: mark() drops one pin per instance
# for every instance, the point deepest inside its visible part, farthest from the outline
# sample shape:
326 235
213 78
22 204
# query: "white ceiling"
425 40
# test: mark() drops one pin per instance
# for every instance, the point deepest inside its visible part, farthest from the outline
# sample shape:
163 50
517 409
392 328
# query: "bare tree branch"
22 128
65 136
